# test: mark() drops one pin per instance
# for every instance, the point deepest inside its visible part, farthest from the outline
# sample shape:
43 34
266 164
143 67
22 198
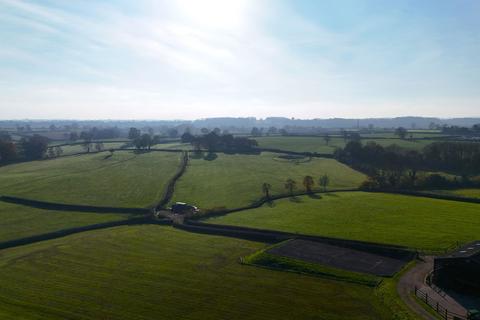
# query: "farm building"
459 270
183 208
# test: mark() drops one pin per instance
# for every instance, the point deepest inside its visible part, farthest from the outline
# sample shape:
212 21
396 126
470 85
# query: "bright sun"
228 14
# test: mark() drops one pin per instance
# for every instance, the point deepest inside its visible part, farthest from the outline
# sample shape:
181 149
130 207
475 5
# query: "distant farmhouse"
460 270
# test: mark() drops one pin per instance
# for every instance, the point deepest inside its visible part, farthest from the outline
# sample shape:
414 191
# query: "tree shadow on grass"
295 199
210 156
333 195
314 196
197 155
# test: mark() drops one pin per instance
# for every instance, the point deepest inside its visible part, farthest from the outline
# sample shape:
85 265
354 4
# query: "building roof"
469 250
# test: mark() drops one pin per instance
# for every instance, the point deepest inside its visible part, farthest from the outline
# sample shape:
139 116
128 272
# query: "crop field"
151 272
318 144
124 179
415 222
18 221
236 180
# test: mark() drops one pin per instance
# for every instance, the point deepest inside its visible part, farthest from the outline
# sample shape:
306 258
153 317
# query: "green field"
125 179
18 221
467 193
318 144
416 222
235 180
152 272
78 148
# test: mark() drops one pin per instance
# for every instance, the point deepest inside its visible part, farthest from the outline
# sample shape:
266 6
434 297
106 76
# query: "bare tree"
308 183
324 181
266 189
290 185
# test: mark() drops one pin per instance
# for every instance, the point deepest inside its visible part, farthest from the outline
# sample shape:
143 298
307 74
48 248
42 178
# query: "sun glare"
215 13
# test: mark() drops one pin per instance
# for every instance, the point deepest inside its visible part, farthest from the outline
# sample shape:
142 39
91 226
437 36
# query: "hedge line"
72 207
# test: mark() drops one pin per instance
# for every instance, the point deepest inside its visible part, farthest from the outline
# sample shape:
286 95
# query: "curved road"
416 277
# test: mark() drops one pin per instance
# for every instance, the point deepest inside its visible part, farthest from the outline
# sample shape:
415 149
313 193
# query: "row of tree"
215 142
394 166
290 185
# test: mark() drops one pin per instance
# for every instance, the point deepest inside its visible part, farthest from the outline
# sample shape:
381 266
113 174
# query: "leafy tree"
290 184
217 131
34 147
401 132
266 189
324 181
308 183
204 130
187 137
133 133
272 130
256 132
8 151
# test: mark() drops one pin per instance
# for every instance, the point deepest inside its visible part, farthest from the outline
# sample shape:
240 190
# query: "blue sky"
189 59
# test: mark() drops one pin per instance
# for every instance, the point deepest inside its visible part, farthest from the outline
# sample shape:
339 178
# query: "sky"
189 59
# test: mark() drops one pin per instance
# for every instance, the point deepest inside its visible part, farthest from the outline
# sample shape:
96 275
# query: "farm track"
168 193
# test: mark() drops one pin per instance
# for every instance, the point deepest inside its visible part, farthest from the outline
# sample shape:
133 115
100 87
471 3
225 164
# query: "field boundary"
66 232
273 236
169 190
209 213
428 195
71 207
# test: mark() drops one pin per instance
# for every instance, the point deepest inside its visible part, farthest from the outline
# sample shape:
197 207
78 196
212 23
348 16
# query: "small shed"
459 270
183 208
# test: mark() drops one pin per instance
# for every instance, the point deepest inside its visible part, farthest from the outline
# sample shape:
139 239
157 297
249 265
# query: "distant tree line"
396 167
456 130
214 141
96 134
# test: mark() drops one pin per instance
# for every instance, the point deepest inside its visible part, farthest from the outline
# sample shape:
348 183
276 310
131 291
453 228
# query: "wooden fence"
441 310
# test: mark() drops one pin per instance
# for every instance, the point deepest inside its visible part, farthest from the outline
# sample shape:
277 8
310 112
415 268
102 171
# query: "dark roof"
466 251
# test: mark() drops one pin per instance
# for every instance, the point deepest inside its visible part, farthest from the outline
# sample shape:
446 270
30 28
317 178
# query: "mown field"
415 222
236 180
18 221
124 179
153 272
318 144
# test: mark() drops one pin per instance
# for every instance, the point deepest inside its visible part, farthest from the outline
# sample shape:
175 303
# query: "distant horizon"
233 117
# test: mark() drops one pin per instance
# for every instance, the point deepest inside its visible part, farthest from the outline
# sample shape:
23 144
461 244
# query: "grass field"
125 179
415 222
150 272
318 144
467 193
236 180
78 148
18 221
